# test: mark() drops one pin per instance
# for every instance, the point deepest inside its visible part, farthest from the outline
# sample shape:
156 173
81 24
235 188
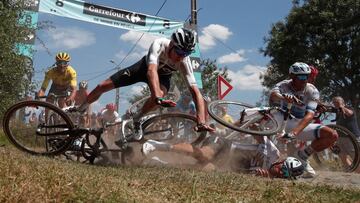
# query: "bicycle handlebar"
52 95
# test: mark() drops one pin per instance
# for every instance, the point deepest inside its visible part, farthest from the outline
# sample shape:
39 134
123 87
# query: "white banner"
114 17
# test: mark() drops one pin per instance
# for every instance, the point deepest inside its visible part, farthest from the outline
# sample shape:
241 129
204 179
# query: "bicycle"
34 139
250 120
260 121
73 153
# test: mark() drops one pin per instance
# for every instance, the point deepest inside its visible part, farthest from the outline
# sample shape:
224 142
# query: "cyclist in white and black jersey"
216 152
301 127
164 57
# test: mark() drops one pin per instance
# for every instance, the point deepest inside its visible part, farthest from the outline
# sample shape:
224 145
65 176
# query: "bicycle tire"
351 146
175 128
255 117
15 139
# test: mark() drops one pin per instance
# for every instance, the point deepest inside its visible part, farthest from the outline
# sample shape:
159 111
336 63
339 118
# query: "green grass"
26 178
3 139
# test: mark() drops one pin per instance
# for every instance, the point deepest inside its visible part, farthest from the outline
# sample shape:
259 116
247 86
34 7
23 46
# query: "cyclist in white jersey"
215 152
164 57
301 127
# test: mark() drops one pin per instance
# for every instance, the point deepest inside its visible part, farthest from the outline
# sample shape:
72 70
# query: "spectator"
186 105
33 119
345 116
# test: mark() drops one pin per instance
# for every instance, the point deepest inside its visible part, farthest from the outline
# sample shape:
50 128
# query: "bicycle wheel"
247 118
172 128
136 107
343 155
38 138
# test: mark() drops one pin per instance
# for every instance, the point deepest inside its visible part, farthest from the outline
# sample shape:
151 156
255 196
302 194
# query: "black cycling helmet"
184 39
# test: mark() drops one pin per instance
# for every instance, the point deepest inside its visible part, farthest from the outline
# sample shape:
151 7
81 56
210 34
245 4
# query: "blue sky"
240 26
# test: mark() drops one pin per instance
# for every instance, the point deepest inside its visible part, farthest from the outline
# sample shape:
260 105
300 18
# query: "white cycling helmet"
293 167
300 68
83 84
184 39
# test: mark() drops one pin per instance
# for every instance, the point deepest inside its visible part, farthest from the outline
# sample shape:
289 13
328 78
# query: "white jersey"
158 54
309 96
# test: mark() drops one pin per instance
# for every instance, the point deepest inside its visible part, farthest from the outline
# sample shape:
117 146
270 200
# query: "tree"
322 33
14 69
209 74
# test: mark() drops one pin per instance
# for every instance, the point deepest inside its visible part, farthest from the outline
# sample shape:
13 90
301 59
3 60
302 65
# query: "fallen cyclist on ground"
217 153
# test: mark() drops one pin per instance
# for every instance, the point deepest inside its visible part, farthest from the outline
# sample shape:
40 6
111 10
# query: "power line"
132 48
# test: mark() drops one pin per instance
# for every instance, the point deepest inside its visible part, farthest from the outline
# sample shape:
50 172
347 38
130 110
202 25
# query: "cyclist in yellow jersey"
225 116
63 78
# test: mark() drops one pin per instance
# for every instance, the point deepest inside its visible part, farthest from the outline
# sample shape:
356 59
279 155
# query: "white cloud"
212 32
131 58
69 38
133 37
232 57
247 78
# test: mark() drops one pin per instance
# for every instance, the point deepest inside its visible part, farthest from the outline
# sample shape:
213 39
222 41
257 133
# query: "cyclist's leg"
150 103
204 154
124 77
321 137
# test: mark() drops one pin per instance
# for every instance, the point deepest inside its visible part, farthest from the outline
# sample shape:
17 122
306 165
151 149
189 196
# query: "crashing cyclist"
63 78
216 152
164 57
300 127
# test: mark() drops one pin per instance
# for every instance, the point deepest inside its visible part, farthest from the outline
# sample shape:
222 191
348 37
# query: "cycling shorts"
58 90
309 133
137 73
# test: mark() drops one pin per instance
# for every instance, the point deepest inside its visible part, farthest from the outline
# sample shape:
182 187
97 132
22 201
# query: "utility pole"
193 20
117 98
117 91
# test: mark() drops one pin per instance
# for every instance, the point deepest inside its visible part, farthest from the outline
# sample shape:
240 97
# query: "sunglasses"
182 53
302 77
62 63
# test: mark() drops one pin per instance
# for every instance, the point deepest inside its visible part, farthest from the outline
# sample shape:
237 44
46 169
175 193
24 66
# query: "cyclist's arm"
309 116
275 97
73 93
199 103
346 111
187 71
46 81
152 73
153 77
73 84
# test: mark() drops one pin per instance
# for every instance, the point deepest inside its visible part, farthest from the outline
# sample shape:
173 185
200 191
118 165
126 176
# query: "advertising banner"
109 16
29 19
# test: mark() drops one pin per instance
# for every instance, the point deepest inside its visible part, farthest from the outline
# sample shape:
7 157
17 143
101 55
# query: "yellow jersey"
226 118
66 79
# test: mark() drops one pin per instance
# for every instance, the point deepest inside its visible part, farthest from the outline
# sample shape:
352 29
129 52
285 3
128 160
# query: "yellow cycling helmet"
62 56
